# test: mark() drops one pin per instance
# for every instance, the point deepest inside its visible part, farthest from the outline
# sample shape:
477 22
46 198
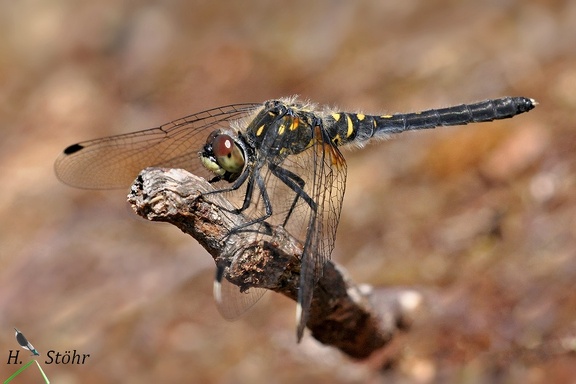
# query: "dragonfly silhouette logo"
13 357
24 343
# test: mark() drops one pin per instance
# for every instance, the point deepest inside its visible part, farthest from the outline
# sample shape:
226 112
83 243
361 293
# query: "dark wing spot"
73 149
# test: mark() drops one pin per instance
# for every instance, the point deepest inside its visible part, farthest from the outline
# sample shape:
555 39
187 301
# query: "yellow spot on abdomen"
281 129
386 116
360 116
350 130
336 140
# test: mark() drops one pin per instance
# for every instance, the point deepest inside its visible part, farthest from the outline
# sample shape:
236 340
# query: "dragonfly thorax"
282 127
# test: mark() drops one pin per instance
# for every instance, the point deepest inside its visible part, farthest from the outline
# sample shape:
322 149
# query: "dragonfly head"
223 156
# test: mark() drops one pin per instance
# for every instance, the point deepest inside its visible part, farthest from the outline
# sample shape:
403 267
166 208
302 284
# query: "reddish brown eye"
228 154
222 145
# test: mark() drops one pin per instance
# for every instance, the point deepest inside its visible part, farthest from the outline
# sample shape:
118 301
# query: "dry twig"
342 315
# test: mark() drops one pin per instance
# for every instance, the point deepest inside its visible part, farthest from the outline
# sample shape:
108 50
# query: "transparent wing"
306 192
230 301
115 161
328 187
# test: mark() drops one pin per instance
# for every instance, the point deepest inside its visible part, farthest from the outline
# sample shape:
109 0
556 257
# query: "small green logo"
13 357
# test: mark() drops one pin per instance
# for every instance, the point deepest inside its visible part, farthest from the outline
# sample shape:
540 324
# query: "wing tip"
217 291
299 323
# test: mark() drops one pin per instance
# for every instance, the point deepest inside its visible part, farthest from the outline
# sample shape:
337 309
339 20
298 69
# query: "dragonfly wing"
230 301
327 188
115 161
307 189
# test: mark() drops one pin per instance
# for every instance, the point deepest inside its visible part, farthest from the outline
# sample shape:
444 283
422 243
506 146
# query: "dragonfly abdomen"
349 127
483 111
344 127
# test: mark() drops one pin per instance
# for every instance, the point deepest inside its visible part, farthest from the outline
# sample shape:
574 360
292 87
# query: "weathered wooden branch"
355 319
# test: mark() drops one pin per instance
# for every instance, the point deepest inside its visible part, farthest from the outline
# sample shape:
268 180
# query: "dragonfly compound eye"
228 154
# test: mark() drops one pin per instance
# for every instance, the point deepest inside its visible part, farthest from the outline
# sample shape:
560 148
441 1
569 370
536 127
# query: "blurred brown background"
480 218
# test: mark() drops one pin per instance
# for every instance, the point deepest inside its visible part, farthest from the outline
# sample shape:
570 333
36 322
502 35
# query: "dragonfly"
278 162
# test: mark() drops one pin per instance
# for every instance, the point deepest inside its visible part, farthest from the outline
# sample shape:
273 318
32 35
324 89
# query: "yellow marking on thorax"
350 130
336 116
281 129
386 116
294 124
259 130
